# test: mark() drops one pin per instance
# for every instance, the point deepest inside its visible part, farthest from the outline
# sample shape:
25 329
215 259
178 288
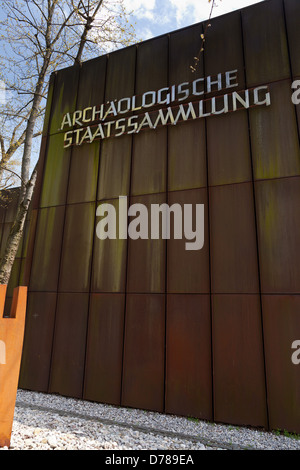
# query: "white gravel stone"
51 422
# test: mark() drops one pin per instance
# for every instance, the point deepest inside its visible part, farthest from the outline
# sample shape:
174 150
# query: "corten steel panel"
120 76
56 173
186 141
265 43
234 267
146 257
23 277
47 250
40 174
143 363
64 96
69 345
49 104
83 173
38 337
109 258
149 164
188 270
223 48
103 370
229 159
188 356
187 156
152 65
184 45
274 135
24 245
281 329
150 147
28 247
278 214
92 83
292 14
115 167
77 248
238 361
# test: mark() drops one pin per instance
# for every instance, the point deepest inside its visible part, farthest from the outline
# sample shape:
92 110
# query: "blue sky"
155 17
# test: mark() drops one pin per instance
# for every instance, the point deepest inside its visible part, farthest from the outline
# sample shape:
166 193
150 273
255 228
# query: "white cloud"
141 9
155 17
199 10
146 33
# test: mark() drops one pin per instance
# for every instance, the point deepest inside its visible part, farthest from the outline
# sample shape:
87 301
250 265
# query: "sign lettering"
107 120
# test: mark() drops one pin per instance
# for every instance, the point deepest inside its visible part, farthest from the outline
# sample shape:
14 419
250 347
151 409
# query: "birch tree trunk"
16 232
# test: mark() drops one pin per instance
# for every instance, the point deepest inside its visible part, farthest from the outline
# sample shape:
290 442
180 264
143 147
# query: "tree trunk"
29 138
16 232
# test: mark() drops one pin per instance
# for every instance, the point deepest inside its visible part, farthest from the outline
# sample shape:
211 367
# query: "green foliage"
291 435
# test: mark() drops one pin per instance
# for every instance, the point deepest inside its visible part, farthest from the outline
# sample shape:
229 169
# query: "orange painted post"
11 344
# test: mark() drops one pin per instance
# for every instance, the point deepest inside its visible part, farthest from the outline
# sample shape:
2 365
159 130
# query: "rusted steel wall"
146 323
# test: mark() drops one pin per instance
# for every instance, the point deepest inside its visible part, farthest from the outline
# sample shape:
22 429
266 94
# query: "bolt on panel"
69 345
64 96
149 158
115 167
233 239
184 46
238 361
47 250
92 83
229 157
146 256
188 270
187 163
56 173
281 329
120 76
77 248
143 364
188 356
274 135
292 14
104 353
265 43
149 163
83 173
35 366
278 216
223 47
109 259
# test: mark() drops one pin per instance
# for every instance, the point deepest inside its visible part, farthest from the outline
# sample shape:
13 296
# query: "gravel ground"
45 422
